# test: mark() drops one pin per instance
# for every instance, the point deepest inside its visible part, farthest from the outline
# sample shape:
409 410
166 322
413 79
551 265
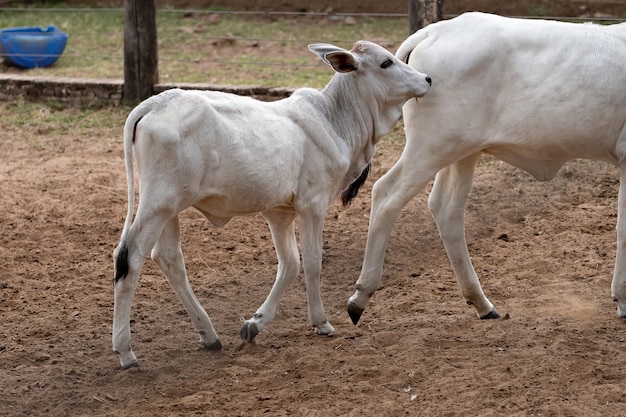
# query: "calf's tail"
349 193
121 261
130 127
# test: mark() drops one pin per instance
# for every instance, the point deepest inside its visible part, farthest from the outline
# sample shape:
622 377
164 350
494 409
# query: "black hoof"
217 345
493 314
248 331
355 313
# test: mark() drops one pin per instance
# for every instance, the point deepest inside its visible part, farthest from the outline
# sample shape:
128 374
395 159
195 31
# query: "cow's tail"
130 127
410 43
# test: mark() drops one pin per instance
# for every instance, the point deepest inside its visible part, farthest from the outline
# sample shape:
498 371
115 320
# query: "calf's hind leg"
129 257
168 255
124 289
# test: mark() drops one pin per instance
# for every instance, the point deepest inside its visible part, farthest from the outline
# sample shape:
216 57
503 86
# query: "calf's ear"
341 61
338 58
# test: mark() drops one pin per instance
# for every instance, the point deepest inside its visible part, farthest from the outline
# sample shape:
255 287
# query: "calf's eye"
386 64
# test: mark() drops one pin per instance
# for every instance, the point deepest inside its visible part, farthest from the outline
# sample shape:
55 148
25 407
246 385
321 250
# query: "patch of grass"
51 117
232 49
542 8
203 46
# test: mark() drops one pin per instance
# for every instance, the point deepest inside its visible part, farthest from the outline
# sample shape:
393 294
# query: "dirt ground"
544 253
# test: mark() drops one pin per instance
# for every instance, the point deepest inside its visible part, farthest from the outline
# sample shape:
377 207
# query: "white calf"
227 156
533 93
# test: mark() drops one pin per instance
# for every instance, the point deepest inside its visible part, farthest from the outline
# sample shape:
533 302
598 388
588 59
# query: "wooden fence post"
424 12
140 49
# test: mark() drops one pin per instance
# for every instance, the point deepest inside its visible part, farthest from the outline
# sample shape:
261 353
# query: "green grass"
269 51
55 118
41 123
203 46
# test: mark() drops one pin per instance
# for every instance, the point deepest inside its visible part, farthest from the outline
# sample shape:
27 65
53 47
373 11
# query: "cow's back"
500 81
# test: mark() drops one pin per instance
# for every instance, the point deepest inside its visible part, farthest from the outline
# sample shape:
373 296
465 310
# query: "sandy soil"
544 252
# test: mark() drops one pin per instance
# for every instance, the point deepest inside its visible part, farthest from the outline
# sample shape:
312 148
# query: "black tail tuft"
121 262
353 189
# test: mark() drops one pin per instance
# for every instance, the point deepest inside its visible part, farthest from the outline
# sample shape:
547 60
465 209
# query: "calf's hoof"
355 312
325 329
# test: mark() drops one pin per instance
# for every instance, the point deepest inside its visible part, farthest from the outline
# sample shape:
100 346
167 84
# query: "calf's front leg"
283 231
311 229
282 226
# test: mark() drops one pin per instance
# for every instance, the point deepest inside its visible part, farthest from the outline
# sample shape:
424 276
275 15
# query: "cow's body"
533 93
227 156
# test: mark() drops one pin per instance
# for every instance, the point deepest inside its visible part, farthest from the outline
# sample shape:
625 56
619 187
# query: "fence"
104 65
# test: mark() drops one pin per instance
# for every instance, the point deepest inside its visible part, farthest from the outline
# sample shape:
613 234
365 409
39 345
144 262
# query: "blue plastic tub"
32 47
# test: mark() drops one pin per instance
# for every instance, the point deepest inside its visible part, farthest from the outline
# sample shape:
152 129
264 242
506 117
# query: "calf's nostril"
429 80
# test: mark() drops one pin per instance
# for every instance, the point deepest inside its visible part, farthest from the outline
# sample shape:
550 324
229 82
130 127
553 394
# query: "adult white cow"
227 156
533 93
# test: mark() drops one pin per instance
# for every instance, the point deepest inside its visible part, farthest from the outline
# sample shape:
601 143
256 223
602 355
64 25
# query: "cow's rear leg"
168 255
282 226
447 204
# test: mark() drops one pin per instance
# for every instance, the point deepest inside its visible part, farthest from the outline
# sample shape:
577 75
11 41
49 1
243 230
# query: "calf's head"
384 75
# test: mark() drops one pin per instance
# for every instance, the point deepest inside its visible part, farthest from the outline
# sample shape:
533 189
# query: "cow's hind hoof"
248 331
621 309
493 314
355 312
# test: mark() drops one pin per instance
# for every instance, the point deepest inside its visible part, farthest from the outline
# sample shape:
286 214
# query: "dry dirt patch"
544 252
